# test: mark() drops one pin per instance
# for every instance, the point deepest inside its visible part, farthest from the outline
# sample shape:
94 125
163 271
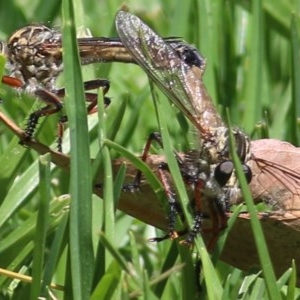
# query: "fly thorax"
195 168
217 146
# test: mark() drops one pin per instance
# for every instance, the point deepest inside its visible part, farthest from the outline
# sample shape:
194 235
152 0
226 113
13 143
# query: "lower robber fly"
35 60
208 170
270 166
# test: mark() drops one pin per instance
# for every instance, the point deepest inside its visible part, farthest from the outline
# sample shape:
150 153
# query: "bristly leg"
53 102
60 132
132 187
196 229
54 105
53 99
91 98
196 174
174 207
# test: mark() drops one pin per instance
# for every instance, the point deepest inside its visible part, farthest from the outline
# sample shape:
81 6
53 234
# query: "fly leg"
54 105
163 170
91 98
12 81
154 136
53 102
174 208
198 214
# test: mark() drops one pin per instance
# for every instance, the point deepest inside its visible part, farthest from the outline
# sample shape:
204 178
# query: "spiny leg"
163 169
91 98
174 208
12 81
154 136
54 105
53 102
198 214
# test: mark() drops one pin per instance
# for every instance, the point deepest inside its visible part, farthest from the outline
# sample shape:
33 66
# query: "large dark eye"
248 173
223 172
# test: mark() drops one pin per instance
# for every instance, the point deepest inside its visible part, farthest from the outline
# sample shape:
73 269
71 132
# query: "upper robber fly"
34 55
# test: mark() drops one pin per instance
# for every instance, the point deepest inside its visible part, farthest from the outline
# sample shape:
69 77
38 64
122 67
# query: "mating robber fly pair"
35 57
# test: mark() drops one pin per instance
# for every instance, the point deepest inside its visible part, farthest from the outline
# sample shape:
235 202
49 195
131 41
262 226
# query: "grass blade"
81 250
261 245
41 226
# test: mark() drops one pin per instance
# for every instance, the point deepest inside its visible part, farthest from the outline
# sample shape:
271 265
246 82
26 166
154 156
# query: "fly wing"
276 175
172 70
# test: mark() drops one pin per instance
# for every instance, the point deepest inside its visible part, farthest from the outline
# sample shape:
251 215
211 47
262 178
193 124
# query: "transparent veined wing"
177 71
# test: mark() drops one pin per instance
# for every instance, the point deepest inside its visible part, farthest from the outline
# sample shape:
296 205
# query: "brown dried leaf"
282 232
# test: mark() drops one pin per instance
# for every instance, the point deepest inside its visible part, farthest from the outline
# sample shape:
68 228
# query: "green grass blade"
212 282
2 65
55 253
295 107
291 291
261 245
109 245
169 262
81 250
161 108
106 289
139 164
253 92
108 193
41 226
18 193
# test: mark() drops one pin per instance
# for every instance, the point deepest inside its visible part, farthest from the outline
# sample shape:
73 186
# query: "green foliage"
252 52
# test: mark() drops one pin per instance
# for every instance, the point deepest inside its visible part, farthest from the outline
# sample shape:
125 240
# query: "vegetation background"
252 52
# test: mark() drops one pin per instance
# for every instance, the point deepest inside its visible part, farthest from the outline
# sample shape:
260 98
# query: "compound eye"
223 172
248 173
3 48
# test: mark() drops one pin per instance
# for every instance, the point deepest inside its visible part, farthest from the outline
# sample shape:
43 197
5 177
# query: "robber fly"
271 166
35 60
208 170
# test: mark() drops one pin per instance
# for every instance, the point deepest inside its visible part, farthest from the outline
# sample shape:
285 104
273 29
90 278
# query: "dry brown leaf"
282 232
